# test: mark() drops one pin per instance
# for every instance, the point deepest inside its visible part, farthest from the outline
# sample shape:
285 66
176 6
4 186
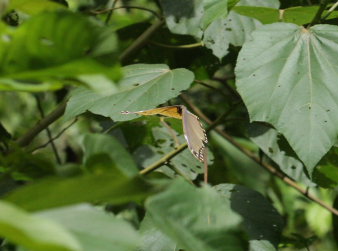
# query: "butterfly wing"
194 134
174 111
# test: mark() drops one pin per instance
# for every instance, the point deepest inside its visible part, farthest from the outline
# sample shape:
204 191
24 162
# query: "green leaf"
263 14
34 6
184 17
94 228
99 143
33 53
34 233
213 10
261 221
297 95
196 218
143 87
298 15
234 29
272 144
54 192
153 239
291 85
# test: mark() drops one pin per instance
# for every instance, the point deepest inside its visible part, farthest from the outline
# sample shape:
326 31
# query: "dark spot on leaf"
160 152
173 89
137 84
325 121
184 165
293 167
278 85
254 75
230 20
228 29
328 110
270 150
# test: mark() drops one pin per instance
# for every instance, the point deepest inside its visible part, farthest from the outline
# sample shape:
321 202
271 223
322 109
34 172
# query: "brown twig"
140 41
265 165
56 137
49 133
127 7
41 125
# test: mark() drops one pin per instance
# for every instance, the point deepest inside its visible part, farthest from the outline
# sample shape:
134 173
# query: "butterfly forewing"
194 134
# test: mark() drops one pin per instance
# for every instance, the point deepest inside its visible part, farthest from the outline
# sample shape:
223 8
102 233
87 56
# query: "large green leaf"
287 77
234 29
276 148
196 218
105 186
143 87
94 228
35 233
95 144
34 53
261 220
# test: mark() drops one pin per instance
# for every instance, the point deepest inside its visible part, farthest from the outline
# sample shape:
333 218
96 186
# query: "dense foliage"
77 174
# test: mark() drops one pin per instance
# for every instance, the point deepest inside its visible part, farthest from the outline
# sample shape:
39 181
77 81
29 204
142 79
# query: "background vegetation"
76 174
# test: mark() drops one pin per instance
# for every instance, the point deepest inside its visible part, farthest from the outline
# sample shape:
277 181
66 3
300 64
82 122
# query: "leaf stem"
265 165
163 160
127 7
317 17
333 7
49 133
140 41
186 46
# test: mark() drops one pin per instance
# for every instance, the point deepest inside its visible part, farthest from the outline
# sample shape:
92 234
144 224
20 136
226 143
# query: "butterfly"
193 131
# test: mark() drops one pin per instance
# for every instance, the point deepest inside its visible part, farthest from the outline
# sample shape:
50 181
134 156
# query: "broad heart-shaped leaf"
276 148
34 53
103 187
287 76
143 87
196 218
94 144
261 220
94 228
234 29
33 232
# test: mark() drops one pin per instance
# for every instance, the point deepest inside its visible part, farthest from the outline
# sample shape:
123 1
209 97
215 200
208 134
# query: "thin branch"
111 4
163 160
333 7
56 137
41 125
127 7
321 9
49 134
265 165
140 41
186 46
211 87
